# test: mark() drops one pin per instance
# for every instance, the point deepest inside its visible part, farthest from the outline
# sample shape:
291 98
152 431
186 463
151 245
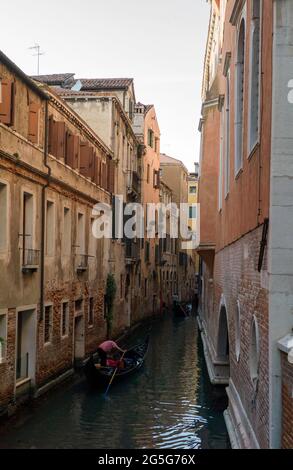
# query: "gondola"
133 360
180 310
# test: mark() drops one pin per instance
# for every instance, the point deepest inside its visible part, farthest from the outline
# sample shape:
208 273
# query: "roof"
166 160
14 68
105 83
55 78
147 107
68 92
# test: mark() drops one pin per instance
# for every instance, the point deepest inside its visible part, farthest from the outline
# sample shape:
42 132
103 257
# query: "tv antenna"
37 48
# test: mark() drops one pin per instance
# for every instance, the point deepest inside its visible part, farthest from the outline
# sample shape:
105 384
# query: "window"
91 312
239 96
64 319
3 336
48 324
145 287
192 190
150 138
3 217
254 352
66 233
78 307
238 331
254 92
227 135
192 212
6 100
50 229
157 145
27 230
92 240
80 233
148 173
33 123
220 183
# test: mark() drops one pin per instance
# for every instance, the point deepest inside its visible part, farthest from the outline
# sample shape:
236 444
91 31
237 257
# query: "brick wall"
287 403
237 279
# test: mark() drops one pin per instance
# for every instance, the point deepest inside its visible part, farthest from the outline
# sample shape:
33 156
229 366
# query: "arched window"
239 95
238 331
227 135
223 335
254 352
254 80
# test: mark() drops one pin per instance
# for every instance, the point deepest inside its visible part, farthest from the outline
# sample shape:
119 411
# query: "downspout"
42 280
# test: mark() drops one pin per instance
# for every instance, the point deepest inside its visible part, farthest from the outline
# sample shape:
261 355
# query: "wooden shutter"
69 153
98 169
52 136
33 123
6 102
72 150
60 139
111 176
87 161
76 151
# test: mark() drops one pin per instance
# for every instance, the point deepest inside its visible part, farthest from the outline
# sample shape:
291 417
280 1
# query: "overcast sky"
161 43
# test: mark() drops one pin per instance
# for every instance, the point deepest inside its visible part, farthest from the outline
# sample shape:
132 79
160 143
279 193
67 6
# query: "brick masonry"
287 403
237 279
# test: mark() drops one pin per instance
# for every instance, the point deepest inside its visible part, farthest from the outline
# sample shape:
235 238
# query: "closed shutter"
98 170
69 154
87 161
52 136
76 152
60 139
6 102
111 176
33 123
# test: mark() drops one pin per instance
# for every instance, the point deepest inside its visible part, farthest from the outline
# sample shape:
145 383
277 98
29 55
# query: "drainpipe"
42 281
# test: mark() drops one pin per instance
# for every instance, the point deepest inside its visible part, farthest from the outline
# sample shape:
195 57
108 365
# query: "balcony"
134 185
82 263
30 260
131 251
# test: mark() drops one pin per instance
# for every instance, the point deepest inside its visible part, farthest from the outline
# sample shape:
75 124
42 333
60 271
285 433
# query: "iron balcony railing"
132 250
135 182
82 262
30 259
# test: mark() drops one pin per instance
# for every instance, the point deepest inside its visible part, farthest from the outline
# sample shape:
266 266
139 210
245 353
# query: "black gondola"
133 360
180 310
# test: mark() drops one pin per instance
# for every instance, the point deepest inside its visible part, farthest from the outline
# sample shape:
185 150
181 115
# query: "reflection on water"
168 404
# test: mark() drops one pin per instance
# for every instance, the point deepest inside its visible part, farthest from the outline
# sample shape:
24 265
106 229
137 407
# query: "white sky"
161 43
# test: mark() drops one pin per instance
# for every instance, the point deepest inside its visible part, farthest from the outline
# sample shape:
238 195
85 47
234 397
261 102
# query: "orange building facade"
237 196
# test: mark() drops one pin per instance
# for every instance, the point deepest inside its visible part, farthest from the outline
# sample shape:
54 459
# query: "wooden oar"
113 376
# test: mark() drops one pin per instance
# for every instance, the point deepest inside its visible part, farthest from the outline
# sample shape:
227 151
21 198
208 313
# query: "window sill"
2 360
239 173
63 337
253 151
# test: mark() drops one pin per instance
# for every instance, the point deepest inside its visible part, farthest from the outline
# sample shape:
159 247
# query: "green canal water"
168 404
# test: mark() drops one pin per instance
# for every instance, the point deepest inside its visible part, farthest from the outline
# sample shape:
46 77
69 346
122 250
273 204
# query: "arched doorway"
223 347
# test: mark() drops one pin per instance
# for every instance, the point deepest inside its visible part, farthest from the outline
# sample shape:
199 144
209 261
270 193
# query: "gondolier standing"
106 348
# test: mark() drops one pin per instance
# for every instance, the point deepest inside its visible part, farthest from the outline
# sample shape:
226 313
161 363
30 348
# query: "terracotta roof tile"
105 83
55 79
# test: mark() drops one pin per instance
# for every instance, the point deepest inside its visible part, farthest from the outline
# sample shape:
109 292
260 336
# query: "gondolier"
106 348
133 360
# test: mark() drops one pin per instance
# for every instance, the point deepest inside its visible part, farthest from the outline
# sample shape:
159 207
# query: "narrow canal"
168 404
